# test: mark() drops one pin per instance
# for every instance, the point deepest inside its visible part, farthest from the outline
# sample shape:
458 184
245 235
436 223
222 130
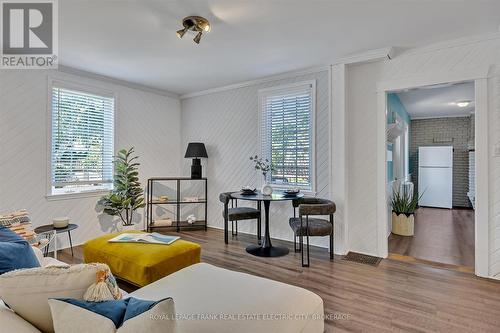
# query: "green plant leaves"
404 202
127 195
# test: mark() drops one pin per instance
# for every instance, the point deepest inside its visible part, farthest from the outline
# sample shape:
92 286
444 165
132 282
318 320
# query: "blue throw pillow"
15 252
125 315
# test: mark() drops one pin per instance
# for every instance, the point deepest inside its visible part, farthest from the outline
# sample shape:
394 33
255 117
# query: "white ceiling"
439 101
135 40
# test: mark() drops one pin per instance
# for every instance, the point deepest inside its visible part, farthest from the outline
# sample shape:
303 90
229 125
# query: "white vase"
266 189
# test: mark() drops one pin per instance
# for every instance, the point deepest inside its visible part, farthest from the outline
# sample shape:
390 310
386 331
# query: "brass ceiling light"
194 23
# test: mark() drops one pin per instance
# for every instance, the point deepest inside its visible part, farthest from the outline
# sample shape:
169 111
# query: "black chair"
235 214
307 226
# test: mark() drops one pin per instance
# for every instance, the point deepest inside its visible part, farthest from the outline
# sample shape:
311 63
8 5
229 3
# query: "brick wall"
454 132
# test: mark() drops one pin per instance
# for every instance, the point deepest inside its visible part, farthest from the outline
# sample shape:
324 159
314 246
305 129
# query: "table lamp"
196 150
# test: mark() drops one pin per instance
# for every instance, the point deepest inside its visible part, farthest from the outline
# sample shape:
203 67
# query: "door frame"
480 78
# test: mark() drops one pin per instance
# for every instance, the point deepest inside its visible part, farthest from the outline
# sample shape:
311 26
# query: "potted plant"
404 205
264 165
127 194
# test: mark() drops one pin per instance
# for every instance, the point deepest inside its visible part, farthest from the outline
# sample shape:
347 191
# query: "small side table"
50 227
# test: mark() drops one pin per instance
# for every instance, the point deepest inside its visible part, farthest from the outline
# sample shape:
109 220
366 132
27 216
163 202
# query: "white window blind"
82 141
287 135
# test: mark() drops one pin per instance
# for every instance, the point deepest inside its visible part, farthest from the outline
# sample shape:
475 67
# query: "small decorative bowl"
248 190
291 192
60 222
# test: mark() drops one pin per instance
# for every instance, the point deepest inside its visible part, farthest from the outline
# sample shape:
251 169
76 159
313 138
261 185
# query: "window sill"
77 195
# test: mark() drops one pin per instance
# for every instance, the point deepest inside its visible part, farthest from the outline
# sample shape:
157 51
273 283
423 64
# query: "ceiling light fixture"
194 23
462 104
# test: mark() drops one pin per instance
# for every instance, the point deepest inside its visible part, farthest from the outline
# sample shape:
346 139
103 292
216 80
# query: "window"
287 134
82 135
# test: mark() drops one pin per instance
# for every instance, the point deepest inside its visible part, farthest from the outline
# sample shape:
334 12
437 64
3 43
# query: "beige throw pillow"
27 291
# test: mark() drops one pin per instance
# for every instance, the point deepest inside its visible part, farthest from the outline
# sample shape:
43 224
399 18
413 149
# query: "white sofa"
212 299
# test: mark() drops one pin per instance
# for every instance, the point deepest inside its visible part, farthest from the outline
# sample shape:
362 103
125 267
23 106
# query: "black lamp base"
196 169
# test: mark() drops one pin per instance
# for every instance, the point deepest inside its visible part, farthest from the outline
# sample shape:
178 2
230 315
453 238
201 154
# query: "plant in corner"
127 195
404 205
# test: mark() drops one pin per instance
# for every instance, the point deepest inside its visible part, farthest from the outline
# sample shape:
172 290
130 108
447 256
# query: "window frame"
263 93
84 88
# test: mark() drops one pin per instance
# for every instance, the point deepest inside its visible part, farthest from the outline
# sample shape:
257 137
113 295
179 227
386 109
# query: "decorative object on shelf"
163 222
60 222
196 150
191 219
162 198
404 204
264 165
197 24
127 195
152 222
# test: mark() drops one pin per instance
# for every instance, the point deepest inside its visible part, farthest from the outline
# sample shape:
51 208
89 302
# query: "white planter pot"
403 225
126 228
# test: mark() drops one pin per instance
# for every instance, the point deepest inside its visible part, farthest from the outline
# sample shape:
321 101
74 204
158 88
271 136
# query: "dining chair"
307 226
235 214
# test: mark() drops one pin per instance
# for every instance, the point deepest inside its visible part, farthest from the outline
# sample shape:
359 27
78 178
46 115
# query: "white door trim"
479 76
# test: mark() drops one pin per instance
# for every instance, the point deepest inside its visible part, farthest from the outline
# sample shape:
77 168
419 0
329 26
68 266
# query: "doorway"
430 130
481 216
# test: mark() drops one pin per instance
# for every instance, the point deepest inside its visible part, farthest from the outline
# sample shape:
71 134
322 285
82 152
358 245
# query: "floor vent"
362 259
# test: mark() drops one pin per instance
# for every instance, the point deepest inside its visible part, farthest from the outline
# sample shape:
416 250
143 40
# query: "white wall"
150 122
362 82
227 122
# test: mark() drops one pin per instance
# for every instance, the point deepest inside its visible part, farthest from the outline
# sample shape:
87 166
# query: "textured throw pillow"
27 291
15 252
129 315
104 288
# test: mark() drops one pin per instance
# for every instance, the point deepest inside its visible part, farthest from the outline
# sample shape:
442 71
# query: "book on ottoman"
149 238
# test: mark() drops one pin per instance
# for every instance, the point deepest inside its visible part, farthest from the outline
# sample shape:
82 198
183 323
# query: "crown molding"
457 42
108 79
367 56
372 55
243 84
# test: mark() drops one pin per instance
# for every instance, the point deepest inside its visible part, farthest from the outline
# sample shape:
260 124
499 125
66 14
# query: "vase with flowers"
264 166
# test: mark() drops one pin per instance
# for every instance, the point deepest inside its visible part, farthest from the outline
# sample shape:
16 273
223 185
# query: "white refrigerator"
435 176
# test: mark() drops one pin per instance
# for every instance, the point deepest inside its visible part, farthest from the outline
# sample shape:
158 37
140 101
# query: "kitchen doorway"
481 212
431 174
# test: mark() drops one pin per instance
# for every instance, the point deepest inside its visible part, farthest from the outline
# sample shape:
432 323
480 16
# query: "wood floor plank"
395 296
441 235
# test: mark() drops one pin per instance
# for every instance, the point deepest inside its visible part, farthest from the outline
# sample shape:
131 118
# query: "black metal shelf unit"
178 223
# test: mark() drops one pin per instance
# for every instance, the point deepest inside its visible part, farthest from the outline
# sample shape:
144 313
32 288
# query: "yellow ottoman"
141 264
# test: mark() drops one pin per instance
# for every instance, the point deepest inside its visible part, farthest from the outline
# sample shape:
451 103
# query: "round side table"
50 227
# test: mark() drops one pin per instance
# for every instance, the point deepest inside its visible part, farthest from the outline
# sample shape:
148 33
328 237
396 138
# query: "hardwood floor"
441 235
395 296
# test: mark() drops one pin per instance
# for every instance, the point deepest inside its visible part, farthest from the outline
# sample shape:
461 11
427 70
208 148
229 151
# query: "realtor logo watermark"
28 34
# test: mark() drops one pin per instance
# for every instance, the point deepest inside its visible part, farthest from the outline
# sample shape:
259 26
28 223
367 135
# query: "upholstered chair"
234 214
306 226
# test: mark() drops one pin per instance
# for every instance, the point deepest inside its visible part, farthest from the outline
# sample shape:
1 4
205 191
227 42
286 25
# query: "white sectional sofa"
212 299
239 302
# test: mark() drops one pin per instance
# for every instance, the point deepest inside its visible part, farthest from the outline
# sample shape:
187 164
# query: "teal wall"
394 105
390 163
